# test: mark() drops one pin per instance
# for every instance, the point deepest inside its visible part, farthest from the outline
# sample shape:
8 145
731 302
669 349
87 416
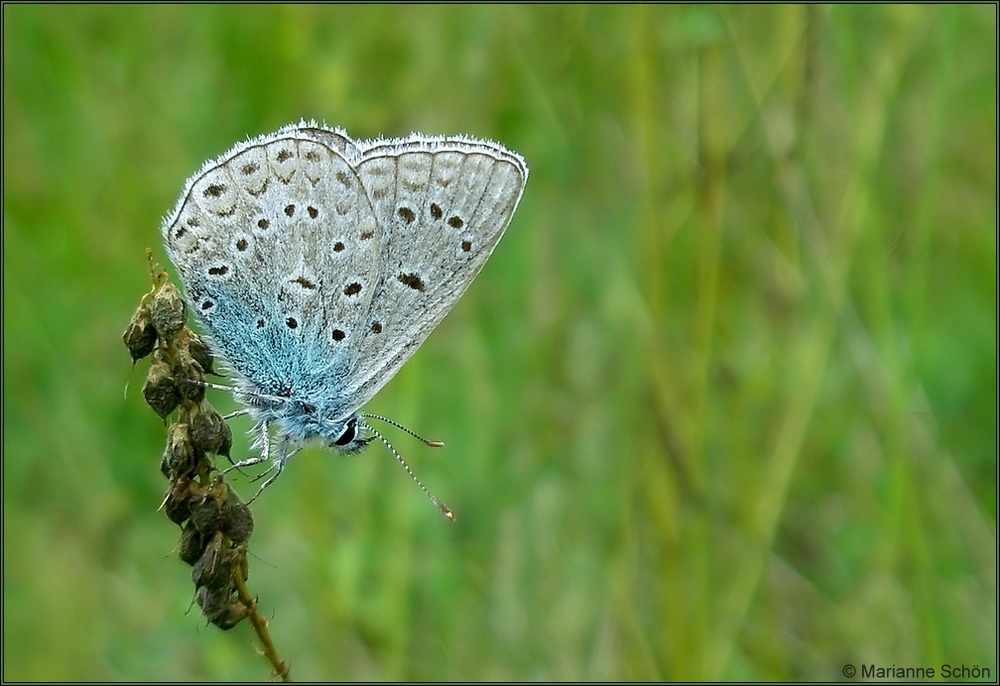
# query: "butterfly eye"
308 408
349 432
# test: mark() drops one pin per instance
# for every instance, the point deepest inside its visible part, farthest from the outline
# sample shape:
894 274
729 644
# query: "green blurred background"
722 405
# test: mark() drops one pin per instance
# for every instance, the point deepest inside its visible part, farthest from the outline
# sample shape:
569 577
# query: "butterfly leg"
277 465
263 442
218 387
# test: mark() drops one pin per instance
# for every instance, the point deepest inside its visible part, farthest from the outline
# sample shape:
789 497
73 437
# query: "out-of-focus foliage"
722 405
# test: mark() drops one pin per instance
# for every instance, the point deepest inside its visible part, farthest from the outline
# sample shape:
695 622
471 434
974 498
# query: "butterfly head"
304 421
348 437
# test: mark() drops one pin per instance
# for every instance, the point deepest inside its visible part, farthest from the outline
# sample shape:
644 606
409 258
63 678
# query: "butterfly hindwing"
443 204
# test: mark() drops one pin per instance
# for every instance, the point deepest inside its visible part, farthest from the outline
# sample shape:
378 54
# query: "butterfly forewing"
279 249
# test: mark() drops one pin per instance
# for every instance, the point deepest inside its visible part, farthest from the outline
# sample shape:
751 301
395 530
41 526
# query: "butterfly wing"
279 250
443 204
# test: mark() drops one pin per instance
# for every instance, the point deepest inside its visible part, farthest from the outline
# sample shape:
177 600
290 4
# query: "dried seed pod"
232 614
213 600
201 353
213 569
177 504
220 564
168 311
160 390
140 334
206 514
181 457
220 607
237 521
188 375
208 430
226 442
193 544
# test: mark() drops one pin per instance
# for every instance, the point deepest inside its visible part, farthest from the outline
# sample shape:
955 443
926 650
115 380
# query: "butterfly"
318 265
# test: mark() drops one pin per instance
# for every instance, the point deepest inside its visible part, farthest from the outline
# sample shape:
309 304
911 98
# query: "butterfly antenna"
445 510
433 444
